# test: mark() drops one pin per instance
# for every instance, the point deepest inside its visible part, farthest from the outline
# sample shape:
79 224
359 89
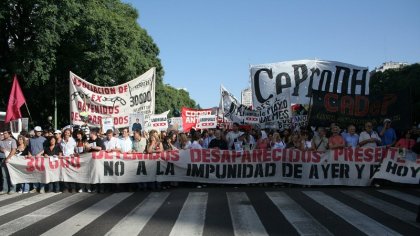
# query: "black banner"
358 109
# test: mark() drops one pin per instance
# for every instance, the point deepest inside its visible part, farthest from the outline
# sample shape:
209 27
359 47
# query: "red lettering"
328 102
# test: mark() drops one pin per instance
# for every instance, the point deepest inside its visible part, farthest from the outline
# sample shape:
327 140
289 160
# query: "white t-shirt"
230 138
126 144
365 136
279 145
195 145
68 147
113 143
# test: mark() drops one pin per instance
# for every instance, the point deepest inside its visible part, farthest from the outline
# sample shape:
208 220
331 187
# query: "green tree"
99 40
404 79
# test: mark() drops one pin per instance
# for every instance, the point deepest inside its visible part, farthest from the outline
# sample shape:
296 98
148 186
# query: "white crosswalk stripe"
25 202
244 217
80 220
384 206
191 218
303 222
359 220
135 221
8 196
29 219
402 196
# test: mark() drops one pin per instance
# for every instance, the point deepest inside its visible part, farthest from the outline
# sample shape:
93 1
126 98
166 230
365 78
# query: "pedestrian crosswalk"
213 211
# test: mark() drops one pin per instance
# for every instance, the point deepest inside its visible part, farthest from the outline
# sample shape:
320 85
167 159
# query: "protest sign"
159 122
207 122
190 117
276 113
304 76
358 109
107 123
118 102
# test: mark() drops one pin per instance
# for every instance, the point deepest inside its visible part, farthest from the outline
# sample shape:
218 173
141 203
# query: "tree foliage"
99 40
404 79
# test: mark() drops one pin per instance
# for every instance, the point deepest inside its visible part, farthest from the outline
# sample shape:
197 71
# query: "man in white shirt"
233 135
111 143
125 142
369 138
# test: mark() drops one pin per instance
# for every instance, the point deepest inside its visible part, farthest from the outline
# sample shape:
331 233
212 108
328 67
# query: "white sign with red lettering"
159 122
117 102
207 122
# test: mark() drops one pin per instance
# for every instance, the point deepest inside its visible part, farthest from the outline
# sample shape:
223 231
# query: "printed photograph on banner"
136 122
175 123
107 123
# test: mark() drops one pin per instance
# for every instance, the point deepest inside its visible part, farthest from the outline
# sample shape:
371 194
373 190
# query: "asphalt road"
216 211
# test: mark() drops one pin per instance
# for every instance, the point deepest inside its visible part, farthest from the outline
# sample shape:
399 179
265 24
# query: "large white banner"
118 102
349 166
303 76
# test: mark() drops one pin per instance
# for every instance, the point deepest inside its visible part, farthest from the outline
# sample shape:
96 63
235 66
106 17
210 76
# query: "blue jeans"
54 186
25 187
7 183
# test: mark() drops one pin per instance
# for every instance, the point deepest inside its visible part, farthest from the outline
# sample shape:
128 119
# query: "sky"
207 43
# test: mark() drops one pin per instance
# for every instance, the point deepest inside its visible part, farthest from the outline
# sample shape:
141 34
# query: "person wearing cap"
387 133
8 146
57 135
36 148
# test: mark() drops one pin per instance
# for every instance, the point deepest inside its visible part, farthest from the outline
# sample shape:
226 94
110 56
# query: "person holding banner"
184 143
95 144
406 141
233 135
22 149
278 142
36 148
351 139
125 142
8 146
154 144
335 141
68 148
320 141
111 143
53 152
369 138
196 139
139 142
218 142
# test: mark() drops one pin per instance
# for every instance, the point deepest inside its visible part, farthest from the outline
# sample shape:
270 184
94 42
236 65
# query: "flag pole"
29 113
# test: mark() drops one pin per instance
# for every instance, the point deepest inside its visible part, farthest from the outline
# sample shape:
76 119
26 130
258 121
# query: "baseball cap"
38 129
57 132
387 120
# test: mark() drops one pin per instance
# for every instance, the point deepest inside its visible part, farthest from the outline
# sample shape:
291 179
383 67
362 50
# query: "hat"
57 132
38 129
387 120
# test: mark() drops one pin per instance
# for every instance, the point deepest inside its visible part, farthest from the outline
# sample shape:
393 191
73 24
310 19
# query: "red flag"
16 100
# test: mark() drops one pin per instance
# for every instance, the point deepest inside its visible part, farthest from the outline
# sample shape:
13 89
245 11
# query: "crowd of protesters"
73 140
